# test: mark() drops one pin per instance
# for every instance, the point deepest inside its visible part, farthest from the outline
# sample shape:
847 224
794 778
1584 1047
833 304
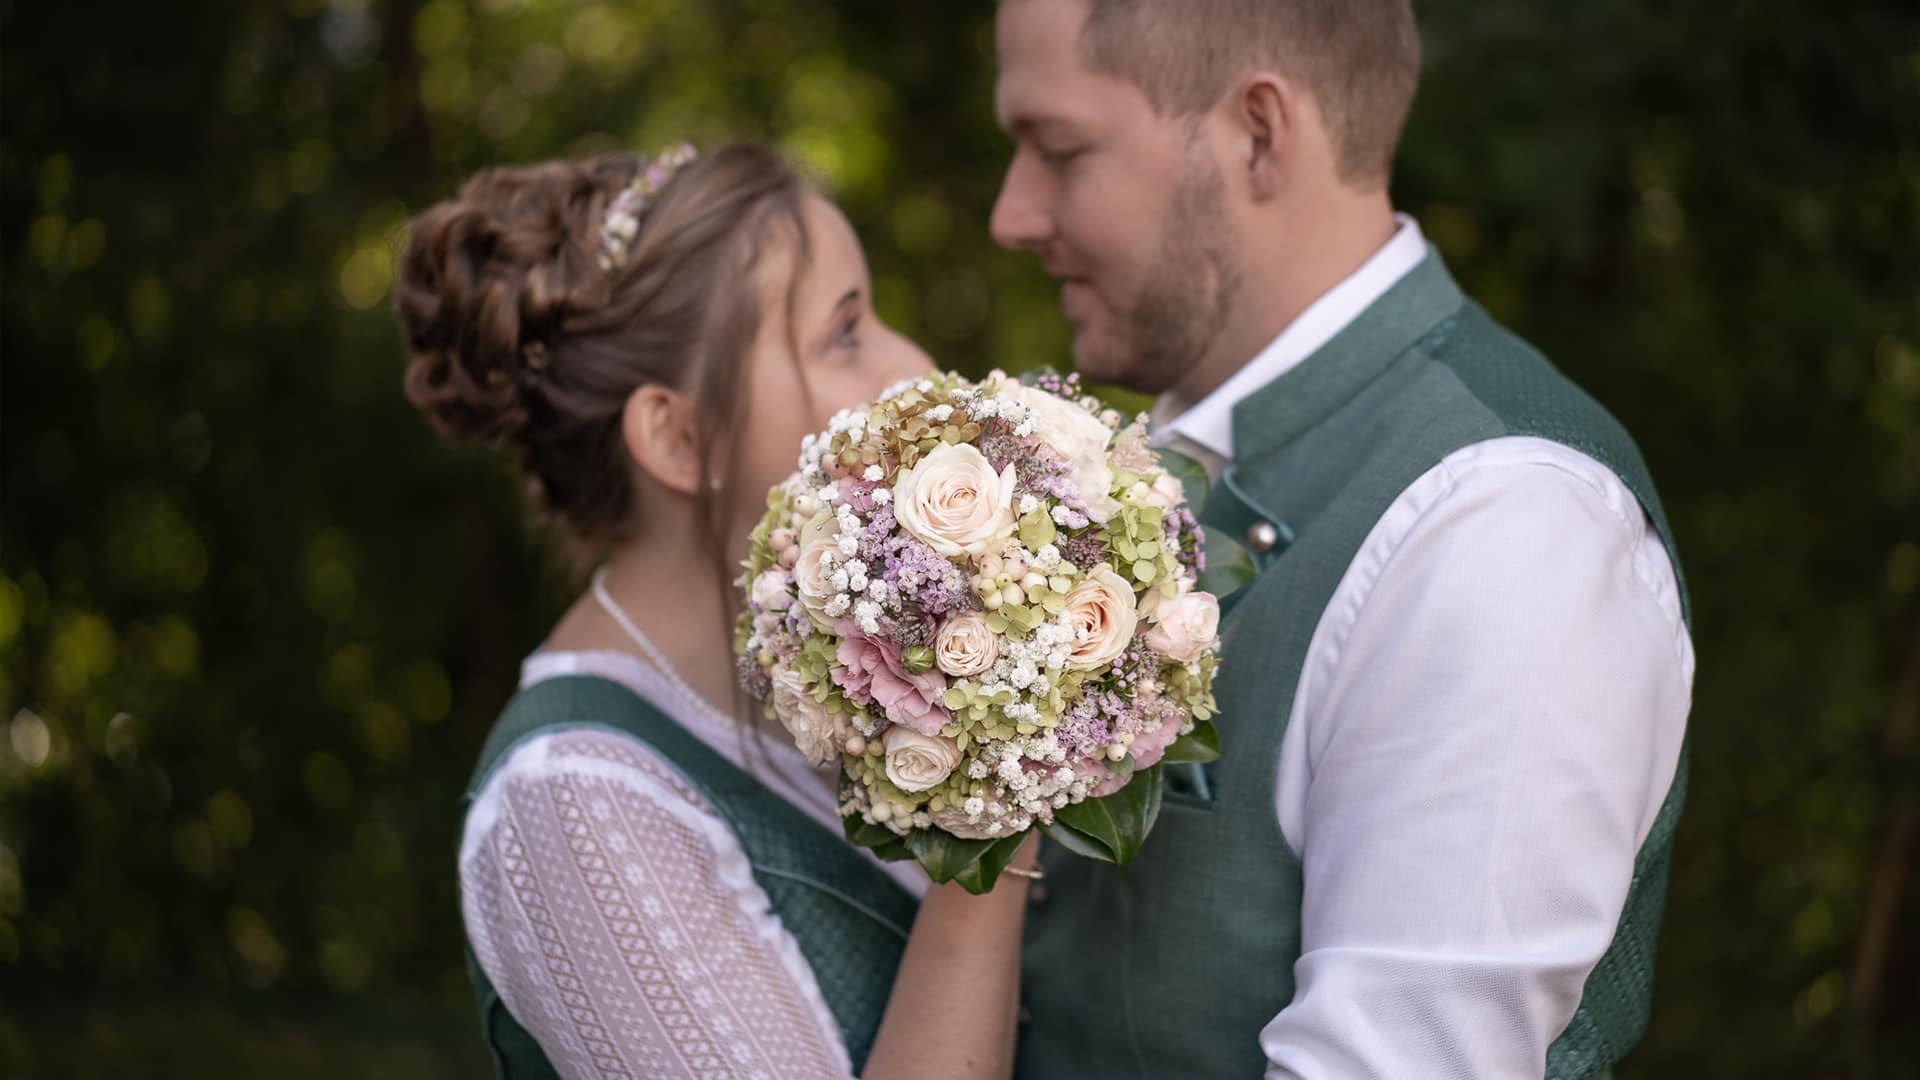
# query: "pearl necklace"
653 654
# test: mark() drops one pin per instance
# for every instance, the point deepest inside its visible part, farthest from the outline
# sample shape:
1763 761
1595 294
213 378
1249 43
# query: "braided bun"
487 277
517 336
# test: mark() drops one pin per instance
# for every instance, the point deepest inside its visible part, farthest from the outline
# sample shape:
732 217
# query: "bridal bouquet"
984 600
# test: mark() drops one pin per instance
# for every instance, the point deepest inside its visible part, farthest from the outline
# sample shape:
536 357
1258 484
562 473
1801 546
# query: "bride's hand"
956 998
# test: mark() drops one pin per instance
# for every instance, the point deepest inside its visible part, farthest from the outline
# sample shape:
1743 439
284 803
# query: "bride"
652 883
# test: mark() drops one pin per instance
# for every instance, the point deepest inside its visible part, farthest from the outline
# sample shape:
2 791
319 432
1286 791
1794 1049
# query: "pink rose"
1100 613
870 671
1150 745
1185 627
916 762
954 502
1078 437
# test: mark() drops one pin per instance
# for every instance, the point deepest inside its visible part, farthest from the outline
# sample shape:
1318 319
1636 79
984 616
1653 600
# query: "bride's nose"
906 360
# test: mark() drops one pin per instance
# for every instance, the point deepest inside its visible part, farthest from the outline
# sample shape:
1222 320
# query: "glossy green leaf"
1229 567
1119 822
943 855
979 876
1198 746
883 841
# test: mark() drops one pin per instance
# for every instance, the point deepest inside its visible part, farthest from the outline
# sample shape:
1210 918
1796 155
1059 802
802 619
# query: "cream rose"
954 502
817 733
1166 492
1079 438
916 762
770 591
1185 626
812 577
1100 611
965 646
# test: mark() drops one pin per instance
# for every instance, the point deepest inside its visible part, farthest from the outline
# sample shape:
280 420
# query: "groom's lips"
1074 296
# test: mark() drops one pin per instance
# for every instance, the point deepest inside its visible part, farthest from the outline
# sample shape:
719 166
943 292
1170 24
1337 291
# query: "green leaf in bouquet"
1197 747
980 875
945 856
1229 567
1111 828
1076 841
1037 530
1192 476
884 842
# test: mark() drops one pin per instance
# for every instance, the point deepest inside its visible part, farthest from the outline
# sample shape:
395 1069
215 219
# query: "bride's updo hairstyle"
520 334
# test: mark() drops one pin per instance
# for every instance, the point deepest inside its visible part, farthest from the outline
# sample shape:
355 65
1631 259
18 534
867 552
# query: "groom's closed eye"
1059 157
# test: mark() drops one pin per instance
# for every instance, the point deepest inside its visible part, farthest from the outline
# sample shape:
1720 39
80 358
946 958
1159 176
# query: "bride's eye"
848 334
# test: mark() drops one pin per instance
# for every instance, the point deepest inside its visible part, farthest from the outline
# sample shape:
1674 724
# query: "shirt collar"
1209 423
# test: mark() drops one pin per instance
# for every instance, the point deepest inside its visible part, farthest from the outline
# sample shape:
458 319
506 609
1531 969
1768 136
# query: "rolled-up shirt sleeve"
1489 719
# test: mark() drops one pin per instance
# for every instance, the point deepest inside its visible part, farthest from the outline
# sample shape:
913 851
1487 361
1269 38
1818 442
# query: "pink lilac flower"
1066 386
1084 550
870 671
925 582
1083 730
1036 467
753 678
1157 726
1189 543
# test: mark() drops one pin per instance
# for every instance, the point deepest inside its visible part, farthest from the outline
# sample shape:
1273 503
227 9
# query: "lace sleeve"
618 919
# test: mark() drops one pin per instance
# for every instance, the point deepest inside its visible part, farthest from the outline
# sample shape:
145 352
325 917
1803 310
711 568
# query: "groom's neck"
1289 258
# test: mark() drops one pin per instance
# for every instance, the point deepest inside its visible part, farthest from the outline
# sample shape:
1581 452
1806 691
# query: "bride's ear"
662 433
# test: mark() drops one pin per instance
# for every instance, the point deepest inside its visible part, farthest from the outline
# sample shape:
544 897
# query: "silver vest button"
1261 536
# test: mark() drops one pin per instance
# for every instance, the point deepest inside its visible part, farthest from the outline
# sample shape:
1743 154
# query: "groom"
1453 704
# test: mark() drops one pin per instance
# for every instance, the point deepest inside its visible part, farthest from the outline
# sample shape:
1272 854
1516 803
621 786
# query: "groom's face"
1123 205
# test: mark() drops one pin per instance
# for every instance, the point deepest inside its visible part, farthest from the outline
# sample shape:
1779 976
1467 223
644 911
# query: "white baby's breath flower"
874 474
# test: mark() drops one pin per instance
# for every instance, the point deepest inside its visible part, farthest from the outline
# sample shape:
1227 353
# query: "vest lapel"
1250 502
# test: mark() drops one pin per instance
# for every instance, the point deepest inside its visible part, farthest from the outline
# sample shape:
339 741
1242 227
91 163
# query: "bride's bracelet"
1034 874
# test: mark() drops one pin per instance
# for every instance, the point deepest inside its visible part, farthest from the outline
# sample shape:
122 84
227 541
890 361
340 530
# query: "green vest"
1172 965
849 918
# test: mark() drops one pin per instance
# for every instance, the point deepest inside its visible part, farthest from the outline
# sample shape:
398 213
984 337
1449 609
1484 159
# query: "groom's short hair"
1359 59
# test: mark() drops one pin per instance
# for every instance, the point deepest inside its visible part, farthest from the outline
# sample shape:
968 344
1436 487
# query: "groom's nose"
1021 220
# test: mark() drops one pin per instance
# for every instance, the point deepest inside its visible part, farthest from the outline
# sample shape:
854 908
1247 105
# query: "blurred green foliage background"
254 620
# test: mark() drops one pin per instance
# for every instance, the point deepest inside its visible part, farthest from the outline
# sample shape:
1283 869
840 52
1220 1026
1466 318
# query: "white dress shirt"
1488 718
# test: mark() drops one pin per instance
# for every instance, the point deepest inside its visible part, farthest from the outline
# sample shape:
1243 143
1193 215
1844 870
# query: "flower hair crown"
622 223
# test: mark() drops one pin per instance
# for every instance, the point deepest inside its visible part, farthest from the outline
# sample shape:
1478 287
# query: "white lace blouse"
616 913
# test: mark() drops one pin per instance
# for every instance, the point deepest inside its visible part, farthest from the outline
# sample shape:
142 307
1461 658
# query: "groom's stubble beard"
1188 295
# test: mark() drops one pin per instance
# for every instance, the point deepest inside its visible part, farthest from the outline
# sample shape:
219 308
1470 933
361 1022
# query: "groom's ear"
662 434
1267 112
